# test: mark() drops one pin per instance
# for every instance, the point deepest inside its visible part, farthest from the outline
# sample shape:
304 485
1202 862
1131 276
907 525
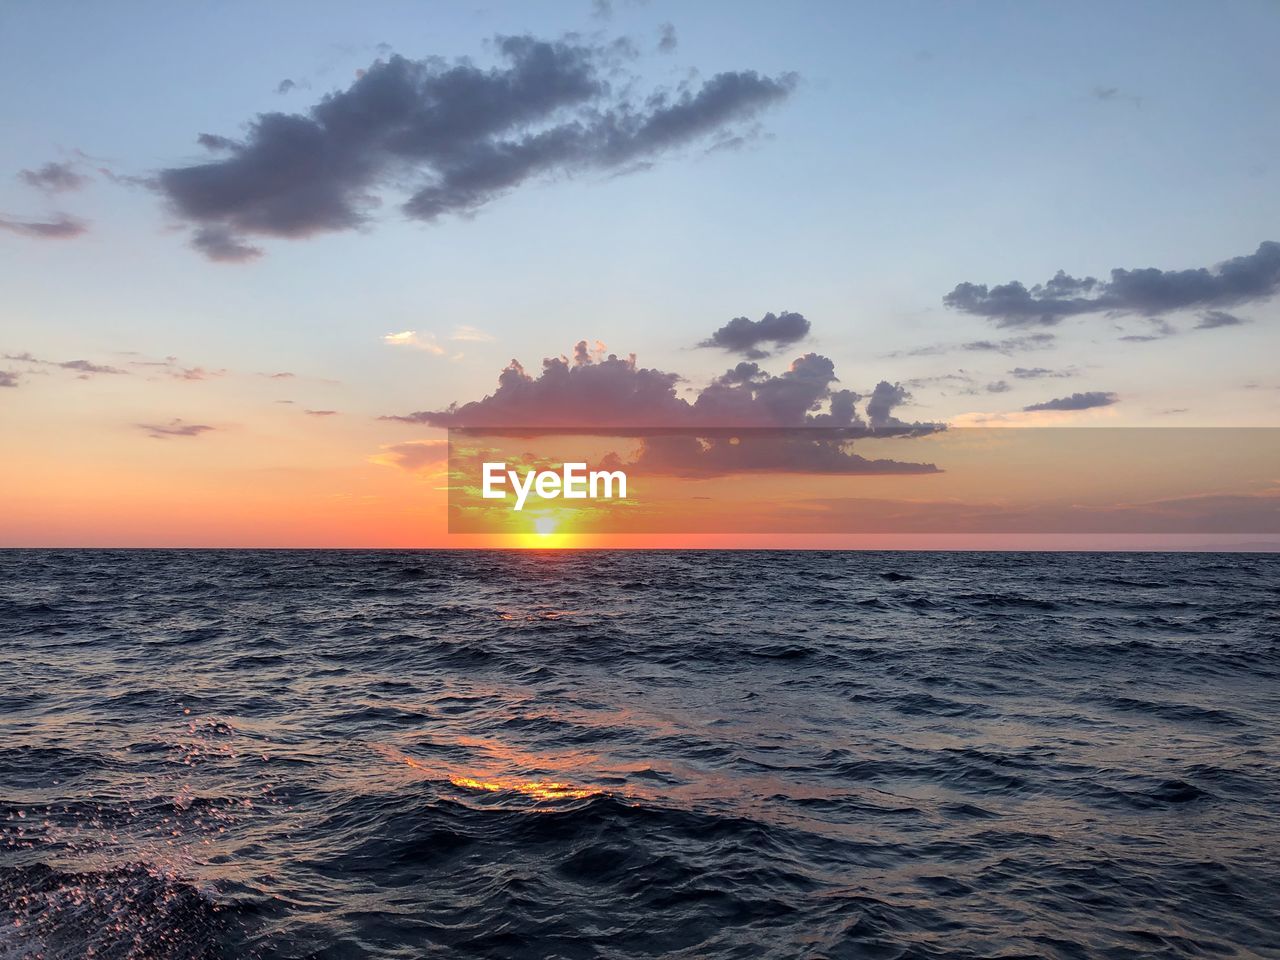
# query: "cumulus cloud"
54 177
884 398
1077 401
1148 292
744 336
174 428
741 421
457 135
594 390
61 227
667 40
9 378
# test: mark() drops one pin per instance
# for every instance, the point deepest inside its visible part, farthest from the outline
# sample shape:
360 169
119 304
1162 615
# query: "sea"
533 754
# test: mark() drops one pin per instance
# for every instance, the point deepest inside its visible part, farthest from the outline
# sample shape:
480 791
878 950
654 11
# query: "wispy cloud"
469 334
61 227
174 428
54 177
414 340
413 455
84 368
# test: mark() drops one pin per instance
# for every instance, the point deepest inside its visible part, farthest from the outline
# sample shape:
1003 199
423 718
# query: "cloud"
667 40
1077 401
321 413
1038 373
744 336
1160 329
174 428
62 227
456 134
54 177
884 398
1009 345
1219 318
470 334
285 86
1148 292
414 455
998 386
84 368
596 391
410 338
812 452
222 246
1112 94
170 367
9 378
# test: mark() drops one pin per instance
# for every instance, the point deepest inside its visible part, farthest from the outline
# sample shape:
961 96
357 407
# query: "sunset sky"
250 254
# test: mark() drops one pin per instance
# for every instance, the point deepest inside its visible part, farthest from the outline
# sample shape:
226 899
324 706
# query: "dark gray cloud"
174 428
456 135
999 386
285 86
9 378
1219 318
61 227
616 392
744 336
667 40
1077 401
54 177
1148 292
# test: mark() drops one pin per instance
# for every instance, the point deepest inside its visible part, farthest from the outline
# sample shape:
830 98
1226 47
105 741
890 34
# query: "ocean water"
226 754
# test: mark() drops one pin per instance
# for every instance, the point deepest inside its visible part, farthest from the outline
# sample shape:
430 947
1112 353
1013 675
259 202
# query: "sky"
250 254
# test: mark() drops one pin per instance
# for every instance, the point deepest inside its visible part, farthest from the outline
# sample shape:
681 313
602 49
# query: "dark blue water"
326 754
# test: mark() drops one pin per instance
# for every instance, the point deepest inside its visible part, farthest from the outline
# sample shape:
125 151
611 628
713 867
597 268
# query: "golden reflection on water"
536 789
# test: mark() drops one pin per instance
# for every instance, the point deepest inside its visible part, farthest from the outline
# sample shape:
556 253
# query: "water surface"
217 754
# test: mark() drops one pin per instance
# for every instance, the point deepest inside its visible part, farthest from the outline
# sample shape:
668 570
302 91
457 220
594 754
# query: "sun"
545 526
